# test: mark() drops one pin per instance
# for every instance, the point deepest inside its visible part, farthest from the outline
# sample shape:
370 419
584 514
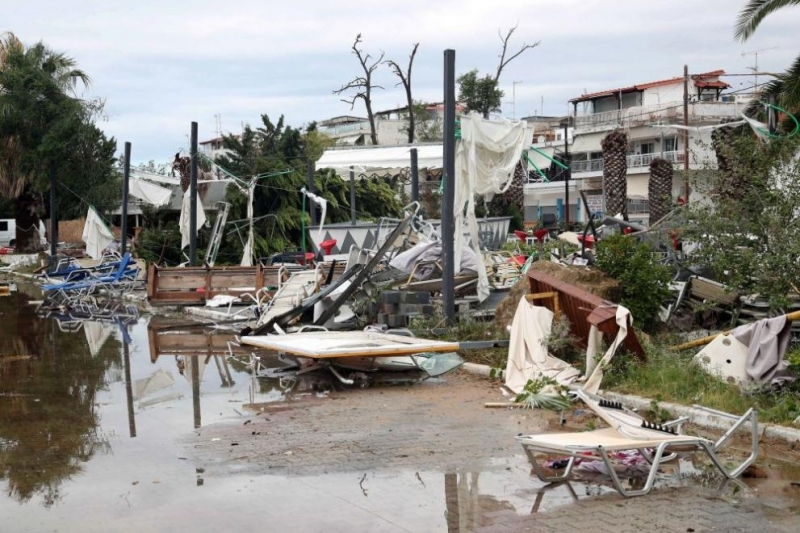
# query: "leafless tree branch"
504 40
363 84
405 81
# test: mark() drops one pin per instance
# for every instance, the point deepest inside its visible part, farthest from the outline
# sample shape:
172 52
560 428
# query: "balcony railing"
634 161
667 112
343 129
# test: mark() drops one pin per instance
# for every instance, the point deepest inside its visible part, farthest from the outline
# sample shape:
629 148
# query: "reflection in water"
49 380
466 506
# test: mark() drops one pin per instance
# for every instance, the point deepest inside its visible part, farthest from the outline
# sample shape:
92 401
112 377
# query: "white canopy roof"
381 157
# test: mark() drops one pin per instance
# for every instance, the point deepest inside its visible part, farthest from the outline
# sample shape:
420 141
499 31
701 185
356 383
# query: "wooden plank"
151 280
180 281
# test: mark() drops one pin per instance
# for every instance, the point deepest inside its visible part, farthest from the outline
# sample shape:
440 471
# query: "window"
671 144
646 148
3 226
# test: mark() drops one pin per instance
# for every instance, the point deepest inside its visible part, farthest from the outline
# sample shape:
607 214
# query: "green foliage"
480 94
43 125
675 377
642 280
428 126
751 240
279 154
544 393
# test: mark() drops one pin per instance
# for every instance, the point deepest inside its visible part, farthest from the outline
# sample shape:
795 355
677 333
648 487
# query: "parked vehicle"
8 232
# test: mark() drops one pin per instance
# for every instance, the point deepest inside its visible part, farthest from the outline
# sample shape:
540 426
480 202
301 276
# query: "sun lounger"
122 277
631 432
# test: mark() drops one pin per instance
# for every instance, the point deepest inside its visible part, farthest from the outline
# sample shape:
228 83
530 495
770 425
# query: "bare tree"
363 86
505 61
405 81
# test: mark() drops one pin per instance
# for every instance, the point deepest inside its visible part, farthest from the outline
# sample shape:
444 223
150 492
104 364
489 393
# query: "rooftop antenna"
754 68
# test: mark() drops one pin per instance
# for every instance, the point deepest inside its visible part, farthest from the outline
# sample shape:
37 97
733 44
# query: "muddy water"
93 431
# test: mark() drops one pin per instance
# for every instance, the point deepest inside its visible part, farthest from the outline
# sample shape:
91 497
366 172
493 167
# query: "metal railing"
651 114
634 161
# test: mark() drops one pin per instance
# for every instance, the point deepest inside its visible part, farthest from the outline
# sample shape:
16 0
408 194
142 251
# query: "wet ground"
97 434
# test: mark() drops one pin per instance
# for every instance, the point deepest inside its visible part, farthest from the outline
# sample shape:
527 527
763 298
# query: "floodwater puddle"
93 413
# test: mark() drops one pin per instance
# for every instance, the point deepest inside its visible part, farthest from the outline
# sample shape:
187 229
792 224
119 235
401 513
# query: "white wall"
664 94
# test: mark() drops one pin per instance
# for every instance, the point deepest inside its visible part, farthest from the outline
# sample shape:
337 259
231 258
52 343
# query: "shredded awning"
381 157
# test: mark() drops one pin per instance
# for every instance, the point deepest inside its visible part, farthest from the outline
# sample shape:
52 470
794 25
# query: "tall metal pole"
196 391
53 217
414 175
123 237
193 198
686 131
449 156
312 210
567 174
353 218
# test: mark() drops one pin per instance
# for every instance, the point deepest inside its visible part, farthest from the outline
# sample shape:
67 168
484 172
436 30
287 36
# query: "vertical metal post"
353 218
312 209
686 132
193 198
123 237
567 174
414 175
53 217
448 223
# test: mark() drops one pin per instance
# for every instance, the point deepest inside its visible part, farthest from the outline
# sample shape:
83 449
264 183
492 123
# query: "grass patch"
674 377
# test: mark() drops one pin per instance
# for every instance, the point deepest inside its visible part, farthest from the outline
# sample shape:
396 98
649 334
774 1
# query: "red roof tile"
642 86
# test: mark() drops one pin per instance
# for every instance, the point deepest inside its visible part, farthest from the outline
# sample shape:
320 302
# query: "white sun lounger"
628 432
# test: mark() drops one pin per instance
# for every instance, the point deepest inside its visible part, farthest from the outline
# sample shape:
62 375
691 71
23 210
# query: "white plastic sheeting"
388 157
247 254
485 160
96 234
323 203
149 192
527 354
185 218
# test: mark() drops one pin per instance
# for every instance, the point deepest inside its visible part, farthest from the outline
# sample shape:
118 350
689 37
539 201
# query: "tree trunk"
373 134
27 222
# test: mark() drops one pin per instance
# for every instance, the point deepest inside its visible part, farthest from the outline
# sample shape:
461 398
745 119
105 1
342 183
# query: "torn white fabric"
96 234
323 203
623 318
486 157
185 218
247 254
149 192
97 333
527 354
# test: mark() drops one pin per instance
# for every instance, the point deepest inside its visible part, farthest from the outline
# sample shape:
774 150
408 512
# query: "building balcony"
350 128
672 112
634 161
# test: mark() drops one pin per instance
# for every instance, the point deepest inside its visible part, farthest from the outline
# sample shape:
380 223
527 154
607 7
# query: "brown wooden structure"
582 308
195 285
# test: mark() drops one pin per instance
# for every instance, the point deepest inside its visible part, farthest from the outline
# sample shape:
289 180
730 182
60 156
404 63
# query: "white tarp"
323 203
485 160
247 254
96 234
149 192
527 354
381 157
186 216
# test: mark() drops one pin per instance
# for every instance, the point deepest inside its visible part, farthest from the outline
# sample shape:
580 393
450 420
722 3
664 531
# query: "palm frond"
755 12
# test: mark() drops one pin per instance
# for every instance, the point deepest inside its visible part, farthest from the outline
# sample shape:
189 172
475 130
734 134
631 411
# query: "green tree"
786 88
751 240
42 124
480 94
642 280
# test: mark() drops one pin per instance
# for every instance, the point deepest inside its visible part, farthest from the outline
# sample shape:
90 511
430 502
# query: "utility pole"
567 174
53 218
193 197
126 173
686 131
448 228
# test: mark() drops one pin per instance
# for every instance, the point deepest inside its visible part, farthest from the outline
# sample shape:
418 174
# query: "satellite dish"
541 138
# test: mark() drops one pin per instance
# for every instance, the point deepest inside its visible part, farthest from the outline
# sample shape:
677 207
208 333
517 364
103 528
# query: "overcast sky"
160 65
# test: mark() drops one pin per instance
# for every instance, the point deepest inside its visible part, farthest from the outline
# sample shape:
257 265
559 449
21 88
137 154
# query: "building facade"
648 113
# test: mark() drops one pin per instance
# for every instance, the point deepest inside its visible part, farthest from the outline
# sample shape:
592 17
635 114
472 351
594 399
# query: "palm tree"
37 92
786 88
